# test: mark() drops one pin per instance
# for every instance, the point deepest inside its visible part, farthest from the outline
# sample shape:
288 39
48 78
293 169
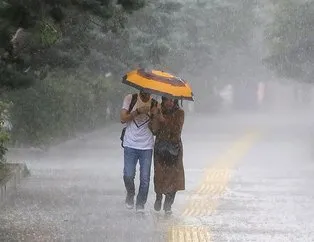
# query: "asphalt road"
249 177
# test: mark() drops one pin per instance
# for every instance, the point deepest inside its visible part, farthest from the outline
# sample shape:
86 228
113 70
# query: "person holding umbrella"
166 122
137 141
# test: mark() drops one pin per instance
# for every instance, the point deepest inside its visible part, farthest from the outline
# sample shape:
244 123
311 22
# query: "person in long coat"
166 123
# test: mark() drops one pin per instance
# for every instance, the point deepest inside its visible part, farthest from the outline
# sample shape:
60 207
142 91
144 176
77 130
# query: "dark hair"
143 92
176 102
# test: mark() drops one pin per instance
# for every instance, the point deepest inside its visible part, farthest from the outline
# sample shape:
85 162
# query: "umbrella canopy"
160 83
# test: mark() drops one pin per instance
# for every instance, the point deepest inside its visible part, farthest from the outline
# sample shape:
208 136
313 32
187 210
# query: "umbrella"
160 83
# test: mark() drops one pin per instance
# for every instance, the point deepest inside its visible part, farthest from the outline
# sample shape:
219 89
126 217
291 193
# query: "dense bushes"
60 106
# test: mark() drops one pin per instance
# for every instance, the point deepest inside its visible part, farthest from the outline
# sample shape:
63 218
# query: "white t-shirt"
137 134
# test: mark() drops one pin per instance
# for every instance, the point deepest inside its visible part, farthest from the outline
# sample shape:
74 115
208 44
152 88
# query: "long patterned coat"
168 178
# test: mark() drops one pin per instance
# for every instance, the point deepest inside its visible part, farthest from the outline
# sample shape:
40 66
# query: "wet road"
248 178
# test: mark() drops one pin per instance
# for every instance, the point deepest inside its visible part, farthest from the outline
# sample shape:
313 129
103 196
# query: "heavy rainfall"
239 162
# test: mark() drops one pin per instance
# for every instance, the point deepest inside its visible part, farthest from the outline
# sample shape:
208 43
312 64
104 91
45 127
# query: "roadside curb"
10 182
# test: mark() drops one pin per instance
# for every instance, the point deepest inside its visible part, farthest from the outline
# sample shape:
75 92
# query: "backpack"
133 102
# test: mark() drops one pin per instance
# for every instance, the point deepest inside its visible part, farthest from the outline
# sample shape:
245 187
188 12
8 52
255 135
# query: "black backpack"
133 102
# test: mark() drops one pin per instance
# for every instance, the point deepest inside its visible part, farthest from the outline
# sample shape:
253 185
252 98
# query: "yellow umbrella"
160 83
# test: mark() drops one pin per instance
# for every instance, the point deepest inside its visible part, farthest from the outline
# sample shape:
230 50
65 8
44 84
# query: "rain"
247 136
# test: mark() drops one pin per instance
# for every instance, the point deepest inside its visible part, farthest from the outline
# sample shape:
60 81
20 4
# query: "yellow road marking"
204 201
187 233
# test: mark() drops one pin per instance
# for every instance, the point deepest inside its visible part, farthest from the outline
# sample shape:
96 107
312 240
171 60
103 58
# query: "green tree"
68 47
290 40
43 44
44 33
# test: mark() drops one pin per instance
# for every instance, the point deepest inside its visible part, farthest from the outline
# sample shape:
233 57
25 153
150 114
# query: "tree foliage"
60 107
48 64
61 51
188 36
291 40
40 36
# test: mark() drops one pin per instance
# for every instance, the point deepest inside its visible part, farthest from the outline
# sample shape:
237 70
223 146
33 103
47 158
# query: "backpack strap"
133 101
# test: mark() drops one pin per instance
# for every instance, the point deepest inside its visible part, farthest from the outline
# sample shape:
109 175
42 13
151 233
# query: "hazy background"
250 64
62 65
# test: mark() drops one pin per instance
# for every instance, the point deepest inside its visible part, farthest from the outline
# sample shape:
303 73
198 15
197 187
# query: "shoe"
129 202
129 206
168 212
157 205
140 210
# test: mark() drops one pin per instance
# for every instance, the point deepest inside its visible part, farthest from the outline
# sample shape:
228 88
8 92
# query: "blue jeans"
131 156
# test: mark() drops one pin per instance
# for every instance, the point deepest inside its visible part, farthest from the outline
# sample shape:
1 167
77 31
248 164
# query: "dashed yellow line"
200 208
217 177
204 201
187 233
